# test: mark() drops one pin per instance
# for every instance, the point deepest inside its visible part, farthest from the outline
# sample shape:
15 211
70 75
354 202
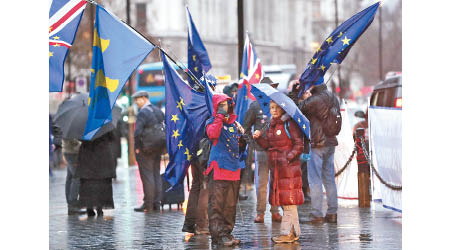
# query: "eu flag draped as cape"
65 16
117 51
335 48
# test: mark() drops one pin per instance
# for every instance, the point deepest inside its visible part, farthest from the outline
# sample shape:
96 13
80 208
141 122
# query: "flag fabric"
335 48
251 73
117 51
198 59
64 18
208 81
178 138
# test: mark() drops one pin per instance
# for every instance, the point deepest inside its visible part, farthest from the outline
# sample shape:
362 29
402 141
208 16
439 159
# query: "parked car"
388 93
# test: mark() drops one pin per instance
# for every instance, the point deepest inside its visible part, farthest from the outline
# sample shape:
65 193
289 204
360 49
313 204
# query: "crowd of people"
289 168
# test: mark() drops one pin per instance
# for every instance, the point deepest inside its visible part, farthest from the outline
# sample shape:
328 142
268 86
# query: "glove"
222 111
305 157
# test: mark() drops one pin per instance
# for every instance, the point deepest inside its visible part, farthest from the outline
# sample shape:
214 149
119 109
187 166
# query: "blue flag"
198 59
65 16
178 138
336 46
117 51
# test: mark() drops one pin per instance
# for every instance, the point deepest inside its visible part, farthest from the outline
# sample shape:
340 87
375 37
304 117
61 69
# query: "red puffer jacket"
284 154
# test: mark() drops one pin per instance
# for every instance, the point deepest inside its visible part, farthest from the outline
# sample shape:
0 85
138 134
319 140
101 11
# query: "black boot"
90 212
99 211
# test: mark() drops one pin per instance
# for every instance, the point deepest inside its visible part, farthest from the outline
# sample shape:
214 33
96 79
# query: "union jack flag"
251 73
65 16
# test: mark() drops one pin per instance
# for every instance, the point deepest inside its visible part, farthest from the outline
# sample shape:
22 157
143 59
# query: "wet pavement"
122 228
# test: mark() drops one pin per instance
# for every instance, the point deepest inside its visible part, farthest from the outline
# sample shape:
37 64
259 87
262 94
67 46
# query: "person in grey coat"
148 162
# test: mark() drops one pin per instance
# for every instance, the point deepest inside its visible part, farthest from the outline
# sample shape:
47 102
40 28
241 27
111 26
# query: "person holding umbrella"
96 163
284 142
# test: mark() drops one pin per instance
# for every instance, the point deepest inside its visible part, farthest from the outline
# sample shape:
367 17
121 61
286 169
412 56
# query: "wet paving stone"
122 228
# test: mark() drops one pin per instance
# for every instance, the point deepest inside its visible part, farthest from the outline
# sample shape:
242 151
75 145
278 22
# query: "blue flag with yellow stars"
336 46
117 51
198 59
64 18
179 140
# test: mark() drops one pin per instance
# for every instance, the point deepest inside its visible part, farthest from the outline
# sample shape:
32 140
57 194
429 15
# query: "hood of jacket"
218 98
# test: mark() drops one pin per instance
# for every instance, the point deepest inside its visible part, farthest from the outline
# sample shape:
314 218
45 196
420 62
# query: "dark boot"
99 211
331 218
188 228
90 212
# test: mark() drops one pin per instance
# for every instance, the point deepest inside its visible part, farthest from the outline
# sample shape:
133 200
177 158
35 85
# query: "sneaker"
276 217
259 218
283 238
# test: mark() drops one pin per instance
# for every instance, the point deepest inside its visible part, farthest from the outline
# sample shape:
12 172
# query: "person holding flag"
323 111
223 170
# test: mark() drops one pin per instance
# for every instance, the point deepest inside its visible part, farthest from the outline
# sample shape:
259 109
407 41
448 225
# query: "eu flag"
65 16
198 59
178 138
117 51
336 46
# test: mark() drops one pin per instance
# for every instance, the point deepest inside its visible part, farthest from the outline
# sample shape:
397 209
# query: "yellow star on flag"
346 41
56 45
304 127
196 69
299 121
193 58
180 103
56 37
50 54
180 144
340 34
106 82
241 75
329 40
100 42
188 155
322 67
175 118
318 49
257 76
175 134
50 29
314 60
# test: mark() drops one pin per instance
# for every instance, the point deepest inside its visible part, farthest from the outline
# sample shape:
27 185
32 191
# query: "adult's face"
275 110
224 105
140 101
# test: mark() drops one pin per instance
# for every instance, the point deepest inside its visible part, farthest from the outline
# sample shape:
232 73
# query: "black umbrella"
73 113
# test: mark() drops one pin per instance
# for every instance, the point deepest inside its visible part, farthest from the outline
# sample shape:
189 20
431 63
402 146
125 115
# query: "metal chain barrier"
366 154
347 163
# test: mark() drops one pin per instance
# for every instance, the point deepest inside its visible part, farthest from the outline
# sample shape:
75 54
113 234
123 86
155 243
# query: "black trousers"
222 200
197 207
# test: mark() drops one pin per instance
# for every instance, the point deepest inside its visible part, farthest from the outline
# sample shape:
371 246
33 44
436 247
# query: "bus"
150 78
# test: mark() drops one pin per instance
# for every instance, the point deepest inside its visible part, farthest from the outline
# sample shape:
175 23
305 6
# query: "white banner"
347 182
385 138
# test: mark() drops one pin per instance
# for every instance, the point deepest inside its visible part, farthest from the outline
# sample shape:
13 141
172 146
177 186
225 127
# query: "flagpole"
188 72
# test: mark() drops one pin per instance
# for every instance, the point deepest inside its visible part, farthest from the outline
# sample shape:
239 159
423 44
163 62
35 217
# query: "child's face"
224 105
275 110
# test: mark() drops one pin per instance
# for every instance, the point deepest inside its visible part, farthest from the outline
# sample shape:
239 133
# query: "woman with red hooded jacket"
284 142
223 170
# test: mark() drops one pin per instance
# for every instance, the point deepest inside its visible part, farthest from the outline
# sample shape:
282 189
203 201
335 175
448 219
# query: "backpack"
333 122
154 136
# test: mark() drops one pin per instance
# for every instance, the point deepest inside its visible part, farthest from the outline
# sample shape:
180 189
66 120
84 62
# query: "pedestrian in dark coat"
317 108
284 141
96 170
